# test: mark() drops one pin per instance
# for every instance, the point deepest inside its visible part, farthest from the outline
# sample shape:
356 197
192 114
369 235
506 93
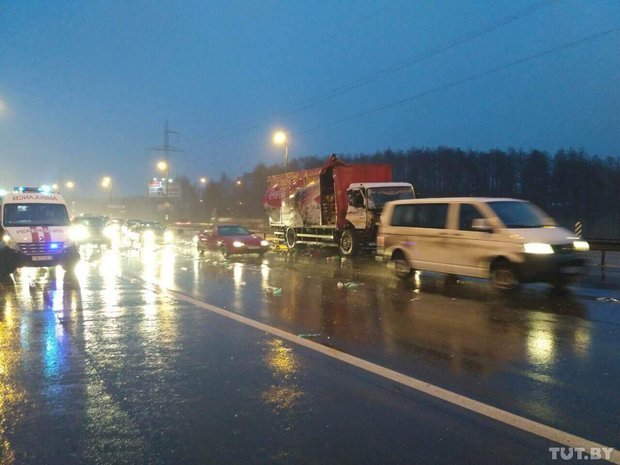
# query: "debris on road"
348 285
309 335
274 291
608 299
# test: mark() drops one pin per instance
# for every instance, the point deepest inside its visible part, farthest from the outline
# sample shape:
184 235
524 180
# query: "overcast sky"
85 86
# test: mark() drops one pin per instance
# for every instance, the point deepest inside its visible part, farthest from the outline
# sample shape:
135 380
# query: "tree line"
570 184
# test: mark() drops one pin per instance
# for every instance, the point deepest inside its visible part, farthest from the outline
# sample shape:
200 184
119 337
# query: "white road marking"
511 419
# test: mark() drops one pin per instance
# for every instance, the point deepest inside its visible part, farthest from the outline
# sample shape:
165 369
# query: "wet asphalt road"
103 367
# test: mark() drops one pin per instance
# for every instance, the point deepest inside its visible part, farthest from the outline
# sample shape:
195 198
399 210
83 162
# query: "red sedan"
231 239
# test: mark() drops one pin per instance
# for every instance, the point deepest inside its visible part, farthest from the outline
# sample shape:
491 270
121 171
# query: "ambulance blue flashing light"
44 189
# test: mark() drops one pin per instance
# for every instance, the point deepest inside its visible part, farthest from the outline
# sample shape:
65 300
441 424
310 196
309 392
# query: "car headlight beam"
581 246
537 248
79 233
10 243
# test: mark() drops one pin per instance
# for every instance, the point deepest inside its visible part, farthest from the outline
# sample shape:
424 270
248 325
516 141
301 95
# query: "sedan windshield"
516 214
94 222
35 214
232 231
153 226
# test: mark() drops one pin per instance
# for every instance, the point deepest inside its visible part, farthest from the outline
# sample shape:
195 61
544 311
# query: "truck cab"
35 230
366 201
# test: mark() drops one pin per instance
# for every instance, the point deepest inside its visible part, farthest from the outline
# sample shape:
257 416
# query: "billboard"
157 189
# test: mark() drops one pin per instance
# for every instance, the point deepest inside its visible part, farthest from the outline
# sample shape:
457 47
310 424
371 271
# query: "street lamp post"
279 138
165 167
106 183
203 183
70 185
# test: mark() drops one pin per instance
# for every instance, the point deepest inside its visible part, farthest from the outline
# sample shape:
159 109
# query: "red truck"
337 204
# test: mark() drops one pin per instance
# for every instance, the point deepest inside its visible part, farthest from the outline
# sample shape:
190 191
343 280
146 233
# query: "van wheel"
291 238
504 275
348 244
401 266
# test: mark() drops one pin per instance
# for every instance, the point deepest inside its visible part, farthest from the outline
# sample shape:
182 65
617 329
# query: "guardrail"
604 245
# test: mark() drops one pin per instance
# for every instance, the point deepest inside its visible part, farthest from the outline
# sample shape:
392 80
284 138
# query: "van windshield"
379 196
516 214
35 214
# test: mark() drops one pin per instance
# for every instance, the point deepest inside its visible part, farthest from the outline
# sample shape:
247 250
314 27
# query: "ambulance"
35 230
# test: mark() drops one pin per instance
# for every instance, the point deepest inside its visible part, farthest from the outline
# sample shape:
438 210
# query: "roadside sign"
157 189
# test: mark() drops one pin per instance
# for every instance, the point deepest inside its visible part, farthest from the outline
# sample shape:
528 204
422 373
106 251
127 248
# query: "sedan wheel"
224 251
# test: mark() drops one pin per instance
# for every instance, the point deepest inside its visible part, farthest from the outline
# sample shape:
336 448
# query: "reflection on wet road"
98 367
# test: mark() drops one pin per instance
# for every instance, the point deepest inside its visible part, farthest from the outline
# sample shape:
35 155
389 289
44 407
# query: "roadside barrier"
604 245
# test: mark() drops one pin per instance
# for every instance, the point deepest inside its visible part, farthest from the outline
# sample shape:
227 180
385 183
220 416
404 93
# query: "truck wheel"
348 243
291 238
72 260
504 275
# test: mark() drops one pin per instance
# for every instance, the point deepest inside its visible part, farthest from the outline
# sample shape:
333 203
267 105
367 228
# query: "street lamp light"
279 138
55 186
106 183
70 184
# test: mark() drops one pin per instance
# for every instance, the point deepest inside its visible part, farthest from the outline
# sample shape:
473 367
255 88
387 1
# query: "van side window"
403 215
431 215
467 214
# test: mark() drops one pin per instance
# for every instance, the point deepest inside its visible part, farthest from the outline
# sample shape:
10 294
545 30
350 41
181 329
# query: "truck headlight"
238 244
264 243
581 246
110 231
9 242
79 233
537 248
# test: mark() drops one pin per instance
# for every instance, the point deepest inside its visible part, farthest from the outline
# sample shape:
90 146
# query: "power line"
348 87
456 83
468 79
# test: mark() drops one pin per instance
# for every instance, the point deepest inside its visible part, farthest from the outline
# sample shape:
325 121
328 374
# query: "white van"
508 241
35 231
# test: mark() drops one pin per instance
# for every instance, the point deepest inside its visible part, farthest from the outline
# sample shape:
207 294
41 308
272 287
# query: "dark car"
91 230
149 233
231 239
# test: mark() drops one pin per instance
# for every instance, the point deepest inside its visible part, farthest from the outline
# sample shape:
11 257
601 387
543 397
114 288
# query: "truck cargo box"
318 197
